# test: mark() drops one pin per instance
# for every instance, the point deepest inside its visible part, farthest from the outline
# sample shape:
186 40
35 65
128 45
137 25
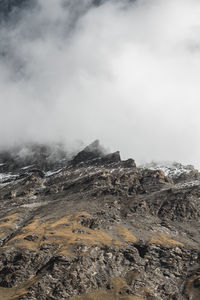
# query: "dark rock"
92 151
32 238
129 163
196 283
111 158
100 226
33 157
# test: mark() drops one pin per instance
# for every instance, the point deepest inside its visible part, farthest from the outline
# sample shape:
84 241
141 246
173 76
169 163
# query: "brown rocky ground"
99 228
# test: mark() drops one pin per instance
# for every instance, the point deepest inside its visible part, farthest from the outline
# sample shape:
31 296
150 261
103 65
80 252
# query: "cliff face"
98 227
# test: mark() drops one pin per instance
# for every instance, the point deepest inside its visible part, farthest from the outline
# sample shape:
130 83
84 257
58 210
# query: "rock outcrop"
96 227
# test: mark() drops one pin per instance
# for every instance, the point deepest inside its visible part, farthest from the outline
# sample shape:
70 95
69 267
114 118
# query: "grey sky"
124 72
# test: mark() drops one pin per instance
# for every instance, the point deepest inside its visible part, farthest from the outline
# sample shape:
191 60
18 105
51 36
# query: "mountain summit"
93 226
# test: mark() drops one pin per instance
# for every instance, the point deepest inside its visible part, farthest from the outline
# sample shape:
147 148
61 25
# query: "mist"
125 72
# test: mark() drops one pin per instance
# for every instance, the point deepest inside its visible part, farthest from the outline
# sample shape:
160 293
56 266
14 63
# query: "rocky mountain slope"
96 227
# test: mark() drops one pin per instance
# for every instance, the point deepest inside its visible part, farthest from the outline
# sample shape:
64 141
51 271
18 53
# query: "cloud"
125 72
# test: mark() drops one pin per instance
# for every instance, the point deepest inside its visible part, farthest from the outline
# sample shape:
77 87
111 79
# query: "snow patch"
170 169
7 177
27 167
50 173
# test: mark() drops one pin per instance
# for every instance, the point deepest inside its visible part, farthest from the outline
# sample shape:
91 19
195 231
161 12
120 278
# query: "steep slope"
99 228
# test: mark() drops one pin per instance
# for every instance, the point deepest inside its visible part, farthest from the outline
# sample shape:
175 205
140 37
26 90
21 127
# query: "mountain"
92 226
177 172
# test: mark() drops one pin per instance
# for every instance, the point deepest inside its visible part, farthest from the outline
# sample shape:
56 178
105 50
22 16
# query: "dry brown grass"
126 235
63 232
8 222
164 240
34 228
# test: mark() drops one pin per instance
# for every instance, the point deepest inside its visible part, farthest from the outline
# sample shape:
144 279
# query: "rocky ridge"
96 227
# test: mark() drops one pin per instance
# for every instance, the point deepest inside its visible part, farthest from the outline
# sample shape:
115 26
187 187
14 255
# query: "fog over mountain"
126 72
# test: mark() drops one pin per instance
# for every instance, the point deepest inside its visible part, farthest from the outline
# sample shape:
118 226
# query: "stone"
98 227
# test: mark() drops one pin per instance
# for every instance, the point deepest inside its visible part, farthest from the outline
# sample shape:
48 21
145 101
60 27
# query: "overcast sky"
125 72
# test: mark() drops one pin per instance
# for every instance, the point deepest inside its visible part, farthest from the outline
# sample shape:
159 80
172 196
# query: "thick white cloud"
125 72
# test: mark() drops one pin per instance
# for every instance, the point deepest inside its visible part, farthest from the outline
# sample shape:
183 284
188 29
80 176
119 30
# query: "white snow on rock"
27 167
50 173
7 176
170 169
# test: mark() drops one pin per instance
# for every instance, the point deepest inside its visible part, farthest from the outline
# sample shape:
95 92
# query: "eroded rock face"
91 152
98 228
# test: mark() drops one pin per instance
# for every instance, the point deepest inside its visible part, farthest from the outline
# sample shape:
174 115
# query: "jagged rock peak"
93 151
95 147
